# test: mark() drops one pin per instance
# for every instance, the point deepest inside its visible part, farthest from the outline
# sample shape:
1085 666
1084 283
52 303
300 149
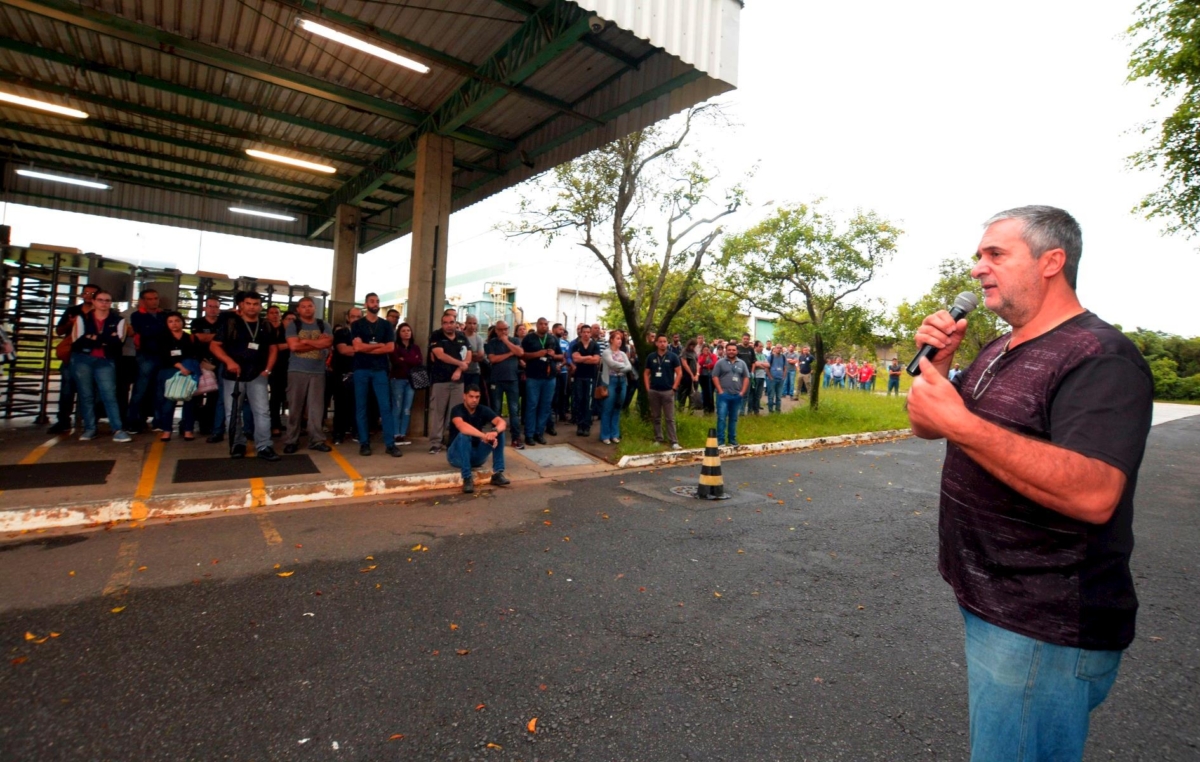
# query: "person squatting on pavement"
469 445
1045 434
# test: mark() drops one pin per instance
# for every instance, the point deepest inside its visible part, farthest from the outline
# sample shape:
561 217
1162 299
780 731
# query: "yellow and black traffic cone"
712 485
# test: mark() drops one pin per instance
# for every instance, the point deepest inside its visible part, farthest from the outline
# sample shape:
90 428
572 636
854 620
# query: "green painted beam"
119 177
95 20
174 118
163 85
17 195
544 35
528 9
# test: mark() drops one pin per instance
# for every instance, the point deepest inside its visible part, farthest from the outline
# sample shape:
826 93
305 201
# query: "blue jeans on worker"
376 381
94 374
610 412
775 395
164 414
789 383
466 453
147 367
582 393
894 384
540 392
728 407
66 394
402 400
1030 700
258 395
508 391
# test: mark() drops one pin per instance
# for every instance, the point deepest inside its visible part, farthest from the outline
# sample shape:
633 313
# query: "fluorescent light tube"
265 156
53 108
256 213
62 179
363 45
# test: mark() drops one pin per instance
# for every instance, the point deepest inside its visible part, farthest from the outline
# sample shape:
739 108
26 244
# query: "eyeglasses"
103 301
989 373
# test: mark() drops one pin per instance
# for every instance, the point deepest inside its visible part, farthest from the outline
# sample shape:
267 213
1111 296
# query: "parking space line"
360 485
118 583
258 496
145 487
36 454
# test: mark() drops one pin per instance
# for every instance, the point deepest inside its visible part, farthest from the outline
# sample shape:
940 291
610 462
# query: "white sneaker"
605 441
616 440
676 446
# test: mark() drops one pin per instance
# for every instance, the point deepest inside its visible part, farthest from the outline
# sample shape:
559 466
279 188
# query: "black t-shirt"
455 346
584 370
175 350
505 370
1082 386
806 363
662 370
68 318
482 416
342 364
378 332
746 355
201 327
249 344
541 367
282 353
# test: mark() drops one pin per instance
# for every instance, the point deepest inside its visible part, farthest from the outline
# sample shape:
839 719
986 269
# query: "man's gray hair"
1046 228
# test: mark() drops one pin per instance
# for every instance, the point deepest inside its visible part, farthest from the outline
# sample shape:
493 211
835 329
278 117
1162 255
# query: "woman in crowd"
405 356
631 353
691 374
97 341
707 361
614 364
178 353
519 334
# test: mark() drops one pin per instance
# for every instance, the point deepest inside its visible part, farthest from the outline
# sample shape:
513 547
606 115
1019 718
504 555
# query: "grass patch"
842 412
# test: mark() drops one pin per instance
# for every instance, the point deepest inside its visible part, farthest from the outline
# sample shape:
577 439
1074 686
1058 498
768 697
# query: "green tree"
954 277
618 201
710 312
806 268
1168 55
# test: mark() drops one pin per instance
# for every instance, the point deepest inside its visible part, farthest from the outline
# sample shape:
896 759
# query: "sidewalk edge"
649 460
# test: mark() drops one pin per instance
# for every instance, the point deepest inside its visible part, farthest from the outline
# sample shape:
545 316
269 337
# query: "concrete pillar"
430 231
345 261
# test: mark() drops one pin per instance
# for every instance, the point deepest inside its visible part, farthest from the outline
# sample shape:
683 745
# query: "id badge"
658 374
374 342
176 352
253 346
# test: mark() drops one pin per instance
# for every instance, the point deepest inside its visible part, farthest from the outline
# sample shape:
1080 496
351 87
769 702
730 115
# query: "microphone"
963 304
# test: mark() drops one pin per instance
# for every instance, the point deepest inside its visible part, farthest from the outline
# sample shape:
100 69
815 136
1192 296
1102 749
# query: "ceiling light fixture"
303 164
363 45
53 108
63 179
256 213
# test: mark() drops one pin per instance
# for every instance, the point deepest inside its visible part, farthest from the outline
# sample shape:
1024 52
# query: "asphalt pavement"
803 619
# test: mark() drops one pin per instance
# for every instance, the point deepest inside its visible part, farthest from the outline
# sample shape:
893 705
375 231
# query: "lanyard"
253 336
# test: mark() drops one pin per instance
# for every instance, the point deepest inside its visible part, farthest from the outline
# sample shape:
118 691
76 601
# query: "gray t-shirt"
311 360
728 376
476 344
761 372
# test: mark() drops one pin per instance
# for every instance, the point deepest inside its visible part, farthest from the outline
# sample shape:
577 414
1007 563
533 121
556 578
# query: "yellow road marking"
145 486
360 485
258 495
118 583
39 451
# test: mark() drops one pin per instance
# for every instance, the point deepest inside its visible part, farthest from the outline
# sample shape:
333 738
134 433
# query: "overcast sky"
934 115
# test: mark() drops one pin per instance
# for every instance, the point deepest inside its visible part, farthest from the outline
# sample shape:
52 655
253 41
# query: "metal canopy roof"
177 90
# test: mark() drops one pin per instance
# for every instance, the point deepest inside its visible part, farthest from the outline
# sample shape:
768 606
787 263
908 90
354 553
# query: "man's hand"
939 330
935 407
490 438
233 368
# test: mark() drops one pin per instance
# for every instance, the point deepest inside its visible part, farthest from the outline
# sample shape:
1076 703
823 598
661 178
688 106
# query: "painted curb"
792 445
196 503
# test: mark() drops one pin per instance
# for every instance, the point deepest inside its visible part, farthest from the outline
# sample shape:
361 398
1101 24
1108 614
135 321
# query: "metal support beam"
155 83
528 9
543 36
95 20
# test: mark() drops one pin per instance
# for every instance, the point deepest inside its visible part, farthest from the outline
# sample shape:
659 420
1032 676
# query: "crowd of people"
288 368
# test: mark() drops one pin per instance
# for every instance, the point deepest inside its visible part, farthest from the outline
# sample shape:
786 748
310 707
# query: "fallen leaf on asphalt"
463 651
532 725
276 566
216 561
741 552
547 523
298 545
770 494
435 653
369 558
55 634
604 516
378 586
641 589
40 641
284 574
369 568
395 736
453 626
716 594
19 660
542 687
494 746
545 510
862 608
30 636
549 572
566 539
479 707
142 568
818 680
916 513
809 499
619 576
1155 639
118 609
71 574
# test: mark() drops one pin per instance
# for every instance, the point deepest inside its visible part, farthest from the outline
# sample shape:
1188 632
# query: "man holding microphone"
1045 434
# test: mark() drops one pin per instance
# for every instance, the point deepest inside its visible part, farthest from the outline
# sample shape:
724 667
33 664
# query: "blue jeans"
165 415
402 399
789 383
92 374
894 384
1030 700
66 393
610 413
376 381
147 373
258 394
839 381
774 394
508 390
540 393
467 452
728 407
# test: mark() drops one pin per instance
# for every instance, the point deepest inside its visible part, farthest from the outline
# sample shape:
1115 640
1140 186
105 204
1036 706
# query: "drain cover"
691 492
